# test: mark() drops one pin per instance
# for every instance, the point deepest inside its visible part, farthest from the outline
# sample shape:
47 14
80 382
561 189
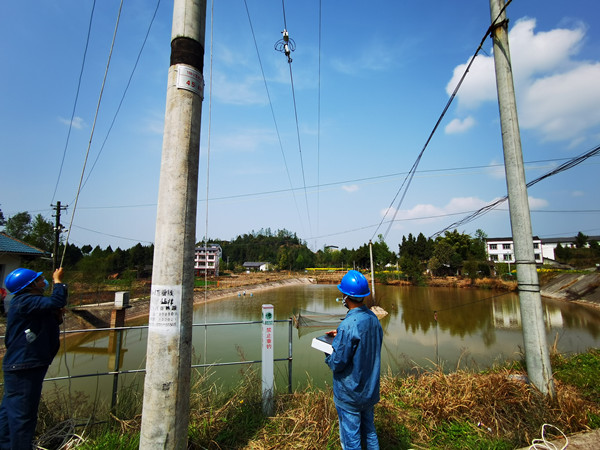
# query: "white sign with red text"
190 79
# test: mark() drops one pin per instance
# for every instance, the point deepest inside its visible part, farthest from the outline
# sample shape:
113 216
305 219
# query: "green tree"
19 225
581 240
411 267
382 255
41 234
478 246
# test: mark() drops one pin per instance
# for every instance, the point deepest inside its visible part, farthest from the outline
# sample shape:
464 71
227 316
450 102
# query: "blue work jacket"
356 360
41 316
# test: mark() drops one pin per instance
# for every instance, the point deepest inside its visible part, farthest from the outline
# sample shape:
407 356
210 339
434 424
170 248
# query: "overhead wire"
319 120
205 240
287 170
287 52
407 181
92 130
137 60
331 184
87 42
565 166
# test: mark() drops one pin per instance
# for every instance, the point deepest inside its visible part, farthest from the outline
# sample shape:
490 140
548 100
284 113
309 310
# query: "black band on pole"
187 51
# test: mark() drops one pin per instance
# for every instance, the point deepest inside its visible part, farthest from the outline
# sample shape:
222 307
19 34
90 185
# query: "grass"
426 410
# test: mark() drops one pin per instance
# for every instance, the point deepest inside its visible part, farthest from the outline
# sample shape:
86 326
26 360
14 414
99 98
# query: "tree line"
417 257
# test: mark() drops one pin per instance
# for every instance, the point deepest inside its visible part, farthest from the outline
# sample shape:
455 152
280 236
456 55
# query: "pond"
424 327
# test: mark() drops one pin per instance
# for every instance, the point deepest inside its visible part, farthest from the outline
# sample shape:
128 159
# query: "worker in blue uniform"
32 341
356 365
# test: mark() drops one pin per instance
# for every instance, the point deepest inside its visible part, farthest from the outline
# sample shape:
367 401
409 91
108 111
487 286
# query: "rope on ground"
61 436
544 444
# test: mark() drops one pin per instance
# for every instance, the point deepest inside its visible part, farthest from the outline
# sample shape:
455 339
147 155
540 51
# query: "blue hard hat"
354 284
19 279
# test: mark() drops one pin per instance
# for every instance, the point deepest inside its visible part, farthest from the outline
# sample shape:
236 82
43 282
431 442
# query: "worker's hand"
57 275
332 333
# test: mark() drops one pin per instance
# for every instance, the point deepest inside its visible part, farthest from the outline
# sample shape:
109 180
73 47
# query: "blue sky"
367 98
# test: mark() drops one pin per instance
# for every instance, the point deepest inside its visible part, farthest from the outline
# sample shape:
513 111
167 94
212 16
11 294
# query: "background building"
207 260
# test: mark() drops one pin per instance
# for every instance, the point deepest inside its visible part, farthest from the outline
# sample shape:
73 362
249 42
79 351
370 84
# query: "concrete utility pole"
532 318
167 385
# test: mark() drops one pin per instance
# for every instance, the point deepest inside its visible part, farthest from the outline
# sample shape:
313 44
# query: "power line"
87 41
287 45
124 94
109 235
407 181
287 170
92 131
565 166
331 184
319 120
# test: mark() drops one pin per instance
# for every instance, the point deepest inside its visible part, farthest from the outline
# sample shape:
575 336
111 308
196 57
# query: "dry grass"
497 405
459 410
306 420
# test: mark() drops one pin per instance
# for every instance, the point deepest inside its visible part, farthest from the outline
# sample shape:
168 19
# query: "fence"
117 334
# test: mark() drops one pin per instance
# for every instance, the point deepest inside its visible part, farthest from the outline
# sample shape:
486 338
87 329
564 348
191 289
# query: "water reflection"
475 328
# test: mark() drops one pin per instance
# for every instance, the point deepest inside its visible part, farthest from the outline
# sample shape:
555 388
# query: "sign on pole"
267 359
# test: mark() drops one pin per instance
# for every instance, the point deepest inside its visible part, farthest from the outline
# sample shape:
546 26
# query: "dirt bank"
98 316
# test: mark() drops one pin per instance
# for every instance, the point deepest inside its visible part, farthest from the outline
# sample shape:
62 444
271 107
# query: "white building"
550 244
256 266
207 260
502 250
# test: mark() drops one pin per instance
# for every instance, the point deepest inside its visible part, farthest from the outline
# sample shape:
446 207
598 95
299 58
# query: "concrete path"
589 440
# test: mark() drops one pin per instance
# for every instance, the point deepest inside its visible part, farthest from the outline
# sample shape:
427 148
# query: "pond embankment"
574 287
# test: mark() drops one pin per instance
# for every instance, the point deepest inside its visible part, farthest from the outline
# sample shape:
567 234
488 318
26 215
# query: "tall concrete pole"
532 318
167 385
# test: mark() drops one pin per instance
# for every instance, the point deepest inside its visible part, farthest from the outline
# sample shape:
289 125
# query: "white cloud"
375 56
577 194
537 203
563 106
77 122
247 140
350 188
241 91
427 213
496 170
557 96
479 85
460 126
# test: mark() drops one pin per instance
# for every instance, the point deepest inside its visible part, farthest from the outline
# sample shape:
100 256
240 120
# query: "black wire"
300 149
407 181
75 102
123 96
287 170
565 166
296 118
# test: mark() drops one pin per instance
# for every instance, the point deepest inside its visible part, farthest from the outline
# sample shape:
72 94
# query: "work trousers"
19 408
356 426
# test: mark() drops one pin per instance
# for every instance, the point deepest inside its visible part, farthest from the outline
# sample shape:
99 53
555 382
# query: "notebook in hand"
323 343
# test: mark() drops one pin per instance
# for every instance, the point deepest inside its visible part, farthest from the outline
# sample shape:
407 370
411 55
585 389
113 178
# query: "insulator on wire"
286 45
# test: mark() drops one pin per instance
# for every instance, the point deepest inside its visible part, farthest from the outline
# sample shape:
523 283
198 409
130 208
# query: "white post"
267 359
